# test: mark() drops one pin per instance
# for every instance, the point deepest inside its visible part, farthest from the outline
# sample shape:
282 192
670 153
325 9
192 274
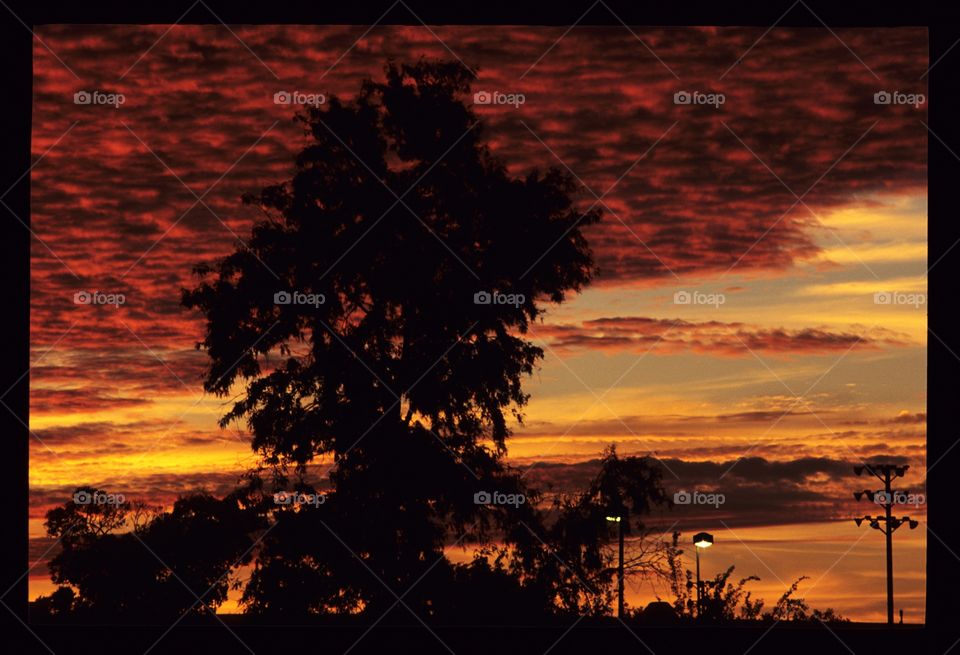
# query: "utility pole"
621 523
886 497
888 508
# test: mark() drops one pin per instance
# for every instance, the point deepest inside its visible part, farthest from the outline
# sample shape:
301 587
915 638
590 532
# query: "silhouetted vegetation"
725 601
548 563
401 377
129 562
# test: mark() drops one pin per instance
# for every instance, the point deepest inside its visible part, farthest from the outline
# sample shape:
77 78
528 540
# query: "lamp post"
619 520
701 540
886 473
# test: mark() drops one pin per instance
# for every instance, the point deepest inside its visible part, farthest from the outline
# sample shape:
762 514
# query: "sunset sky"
791 204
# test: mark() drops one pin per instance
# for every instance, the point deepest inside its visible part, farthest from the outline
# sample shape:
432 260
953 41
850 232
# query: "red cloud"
639 334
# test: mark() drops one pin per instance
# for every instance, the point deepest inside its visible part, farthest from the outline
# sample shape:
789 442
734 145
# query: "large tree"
397 214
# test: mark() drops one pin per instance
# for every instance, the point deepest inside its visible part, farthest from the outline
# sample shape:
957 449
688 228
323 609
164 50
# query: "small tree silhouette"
116 564
628 487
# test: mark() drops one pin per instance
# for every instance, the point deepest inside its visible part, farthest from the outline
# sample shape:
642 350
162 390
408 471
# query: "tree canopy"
396 217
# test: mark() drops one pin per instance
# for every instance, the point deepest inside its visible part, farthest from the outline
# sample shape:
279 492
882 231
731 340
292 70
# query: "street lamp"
701 540
620 524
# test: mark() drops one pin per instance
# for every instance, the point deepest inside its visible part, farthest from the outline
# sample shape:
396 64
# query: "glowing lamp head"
703 540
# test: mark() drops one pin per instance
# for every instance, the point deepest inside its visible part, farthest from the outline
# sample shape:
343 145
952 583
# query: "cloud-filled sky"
761 260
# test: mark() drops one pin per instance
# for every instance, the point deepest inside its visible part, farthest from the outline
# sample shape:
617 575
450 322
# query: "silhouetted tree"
115 564
629 487
399 374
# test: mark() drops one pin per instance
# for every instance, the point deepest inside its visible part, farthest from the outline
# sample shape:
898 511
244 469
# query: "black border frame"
941 631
